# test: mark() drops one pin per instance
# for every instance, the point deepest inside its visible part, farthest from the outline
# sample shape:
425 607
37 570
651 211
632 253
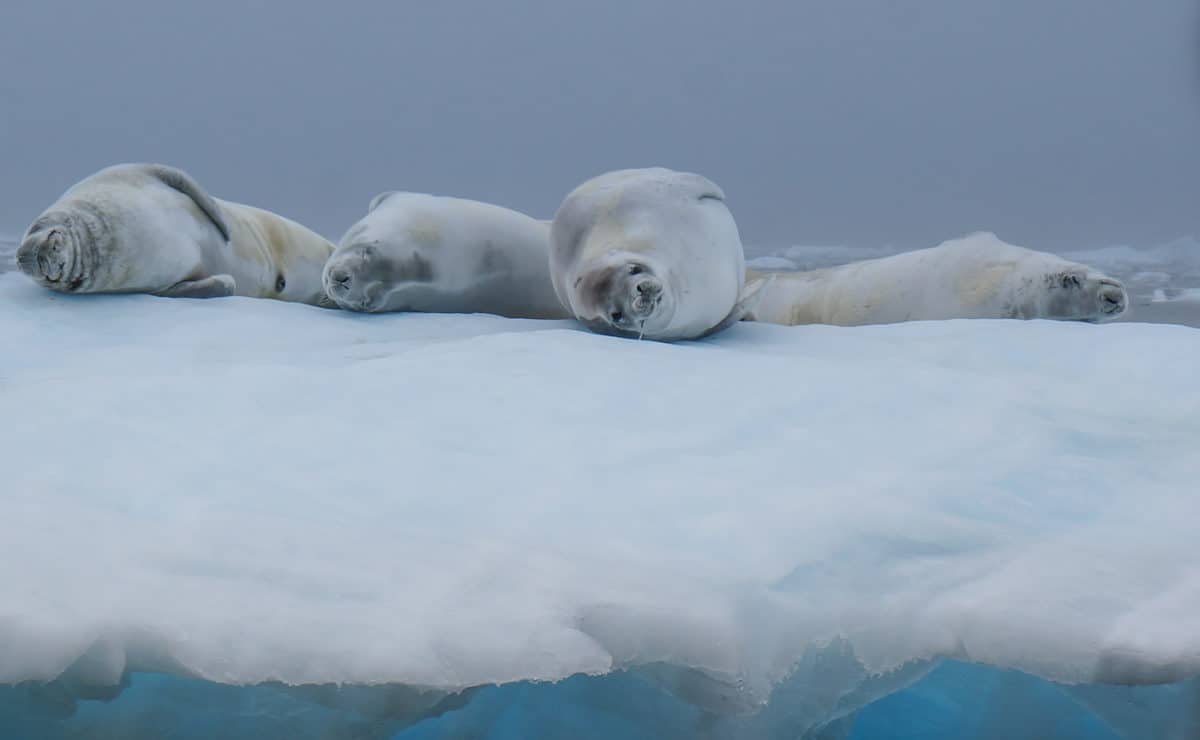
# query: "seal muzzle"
47 256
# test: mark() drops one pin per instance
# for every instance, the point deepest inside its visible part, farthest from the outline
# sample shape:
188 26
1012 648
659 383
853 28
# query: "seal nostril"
647 287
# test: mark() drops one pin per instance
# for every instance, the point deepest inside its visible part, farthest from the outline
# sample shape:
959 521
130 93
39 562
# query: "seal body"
147 228
419 252
975 277
649 253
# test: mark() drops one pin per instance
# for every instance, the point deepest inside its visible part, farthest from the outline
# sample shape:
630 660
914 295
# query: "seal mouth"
342 288
644 294
647 295
348 279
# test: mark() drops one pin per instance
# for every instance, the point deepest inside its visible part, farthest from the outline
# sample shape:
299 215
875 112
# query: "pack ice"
269 516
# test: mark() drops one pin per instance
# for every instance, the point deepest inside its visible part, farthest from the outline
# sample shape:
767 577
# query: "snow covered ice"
483 527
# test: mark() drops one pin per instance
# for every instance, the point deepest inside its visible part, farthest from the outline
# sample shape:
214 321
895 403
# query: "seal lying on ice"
149 228
975 277
418 252
649 253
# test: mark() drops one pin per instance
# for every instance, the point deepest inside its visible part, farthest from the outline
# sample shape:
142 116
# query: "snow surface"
243 491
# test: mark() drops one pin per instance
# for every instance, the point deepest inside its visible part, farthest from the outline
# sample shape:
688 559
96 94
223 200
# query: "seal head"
363 277
623 294
60 249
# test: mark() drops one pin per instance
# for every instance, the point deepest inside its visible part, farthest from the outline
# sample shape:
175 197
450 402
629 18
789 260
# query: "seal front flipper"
183 182
217 286
752 294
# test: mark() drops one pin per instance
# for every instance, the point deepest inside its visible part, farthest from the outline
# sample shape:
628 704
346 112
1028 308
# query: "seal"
650 253
430 253
974 277
150 228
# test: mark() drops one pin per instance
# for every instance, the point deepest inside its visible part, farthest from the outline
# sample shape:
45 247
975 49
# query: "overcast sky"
1055 123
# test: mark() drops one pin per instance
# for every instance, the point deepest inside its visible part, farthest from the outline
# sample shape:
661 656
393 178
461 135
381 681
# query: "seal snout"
635 297
647 293
1111 298
45 255
339 280
344 279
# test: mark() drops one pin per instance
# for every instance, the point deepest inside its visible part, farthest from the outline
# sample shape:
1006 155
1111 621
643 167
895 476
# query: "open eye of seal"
636 269
616 315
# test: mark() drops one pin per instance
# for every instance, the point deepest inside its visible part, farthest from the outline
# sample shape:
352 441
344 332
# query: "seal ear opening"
183 182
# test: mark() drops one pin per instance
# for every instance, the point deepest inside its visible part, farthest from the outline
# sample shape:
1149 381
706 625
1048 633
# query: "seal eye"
616 316
280 283
636 270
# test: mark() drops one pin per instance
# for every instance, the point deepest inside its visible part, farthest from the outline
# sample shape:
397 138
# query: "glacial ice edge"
828 696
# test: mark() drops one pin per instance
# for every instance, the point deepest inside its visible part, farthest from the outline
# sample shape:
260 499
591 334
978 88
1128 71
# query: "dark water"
952 701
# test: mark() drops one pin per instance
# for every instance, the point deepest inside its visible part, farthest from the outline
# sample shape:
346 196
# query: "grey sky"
1055 123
